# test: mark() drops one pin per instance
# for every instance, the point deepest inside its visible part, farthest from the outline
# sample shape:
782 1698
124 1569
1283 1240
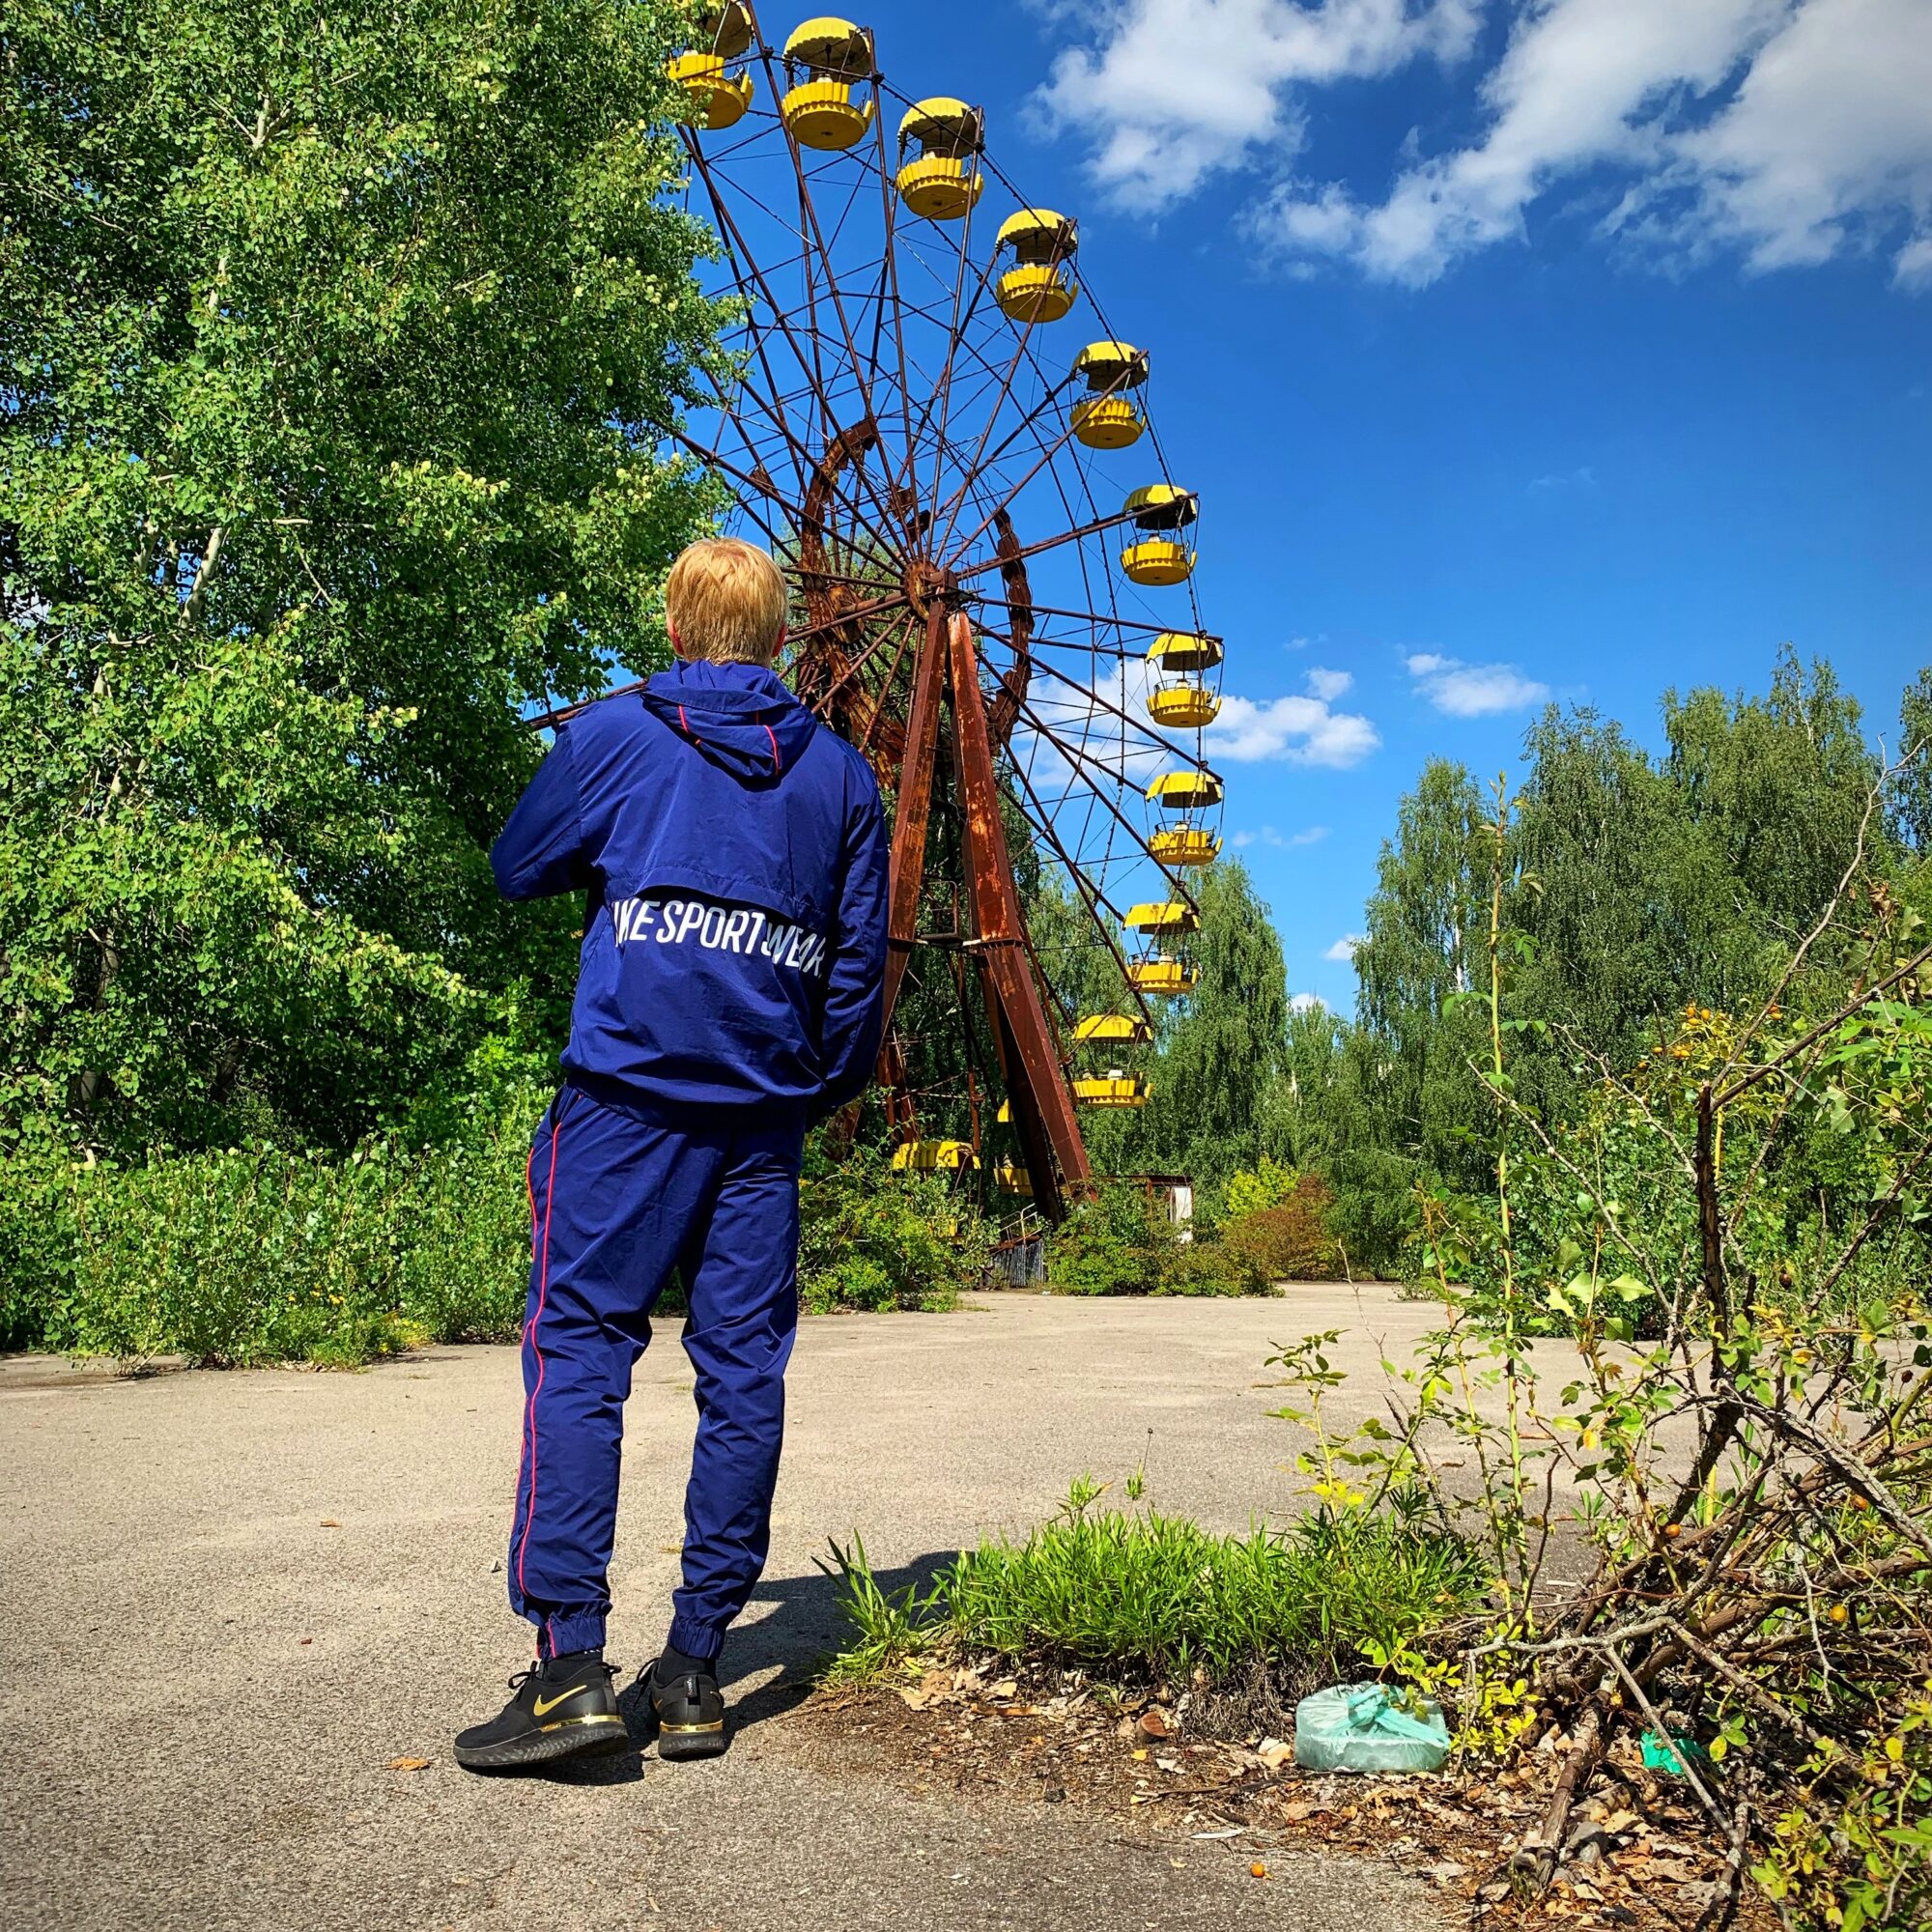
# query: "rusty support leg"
1035 1083
912 809
912 813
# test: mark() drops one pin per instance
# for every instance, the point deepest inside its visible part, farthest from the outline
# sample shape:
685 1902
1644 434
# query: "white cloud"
1472 691
1784 131
1329 685
1307 1003
1168 91
1582 478
1343 949
1266 835
1911 266
1303 731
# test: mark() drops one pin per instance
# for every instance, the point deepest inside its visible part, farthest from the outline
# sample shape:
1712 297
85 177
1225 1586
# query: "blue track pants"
618 1200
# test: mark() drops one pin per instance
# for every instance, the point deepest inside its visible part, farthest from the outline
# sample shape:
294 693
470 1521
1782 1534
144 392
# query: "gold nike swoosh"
539 1708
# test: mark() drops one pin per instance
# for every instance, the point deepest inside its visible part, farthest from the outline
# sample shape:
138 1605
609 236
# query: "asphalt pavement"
234 1600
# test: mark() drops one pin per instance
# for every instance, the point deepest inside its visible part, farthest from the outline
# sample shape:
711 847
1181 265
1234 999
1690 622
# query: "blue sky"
1518 352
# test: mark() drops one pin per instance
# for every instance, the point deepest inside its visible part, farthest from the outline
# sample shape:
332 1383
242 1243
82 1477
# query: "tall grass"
1138 1595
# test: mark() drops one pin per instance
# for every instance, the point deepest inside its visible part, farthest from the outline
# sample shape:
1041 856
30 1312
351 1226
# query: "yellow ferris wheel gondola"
1040 288
1158 556
713 98
1184 845
942 183
830 58
1107 417
1183 706
724 30
1113 1029
1162 918
1185 651
1178 698
935 1156
1113 1090
1157 974
1186 791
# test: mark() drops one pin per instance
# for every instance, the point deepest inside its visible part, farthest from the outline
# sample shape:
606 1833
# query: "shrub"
1289 1241
1113 1244
37 1238
1119 1243
872 1237
467 1255
1267 1185
247 1255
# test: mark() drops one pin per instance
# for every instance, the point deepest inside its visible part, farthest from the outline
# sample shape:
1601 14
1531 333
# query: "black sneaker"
557 1714
689 1712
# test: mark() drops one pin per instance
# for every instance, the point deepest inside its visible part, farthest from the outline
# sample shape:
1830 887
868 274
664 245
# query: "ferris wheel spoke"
741 254
1091 895
1047 454
765 489
1152 740
1091 617
942 390
1078 754
889 217
816 239
1046 544
1015 363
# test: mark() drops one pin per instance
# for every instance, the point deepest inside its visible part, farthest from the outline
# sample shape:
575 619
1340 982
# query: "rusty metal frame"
1036 1080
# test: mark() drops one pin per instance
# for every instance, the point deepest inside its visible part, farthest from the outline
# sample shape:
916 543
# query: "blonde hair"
727 601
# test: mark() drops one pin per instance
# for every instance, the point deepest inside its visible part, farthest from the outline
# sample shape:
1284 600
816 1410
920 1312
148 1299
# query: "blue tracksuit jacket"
729 990
735 852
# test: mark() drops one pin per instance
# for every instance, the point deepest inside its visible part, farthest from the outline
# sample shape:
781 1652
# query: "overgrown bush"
248 1256
1289 1240
1120 1242
258 1255
874 1238
1742 1423
1113 1244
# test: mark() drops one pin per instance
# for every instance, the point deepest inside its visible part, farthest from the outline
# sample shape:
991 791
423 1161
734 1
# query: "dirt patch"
1636 1861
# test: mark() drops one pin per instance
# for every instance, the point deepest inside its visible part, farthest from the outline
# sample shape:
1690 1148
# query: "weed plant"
1134 1596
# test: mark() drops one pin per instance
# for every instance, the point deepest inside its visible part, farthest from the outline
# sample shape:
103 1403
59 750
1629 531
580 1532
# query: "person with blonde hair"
728 994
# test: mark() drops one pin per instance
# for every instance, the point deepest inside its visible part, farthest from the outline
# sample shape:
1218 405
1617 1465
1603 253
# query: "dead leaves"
409 1764
1635 1863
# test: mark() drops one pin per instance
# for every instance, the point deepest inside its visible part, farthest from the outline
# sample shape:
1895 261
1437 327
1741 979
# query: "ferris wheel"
931 422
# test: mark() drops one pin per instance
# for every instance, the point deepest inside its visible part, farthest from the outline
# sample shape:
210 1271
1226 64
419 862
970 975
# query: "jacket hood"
739 717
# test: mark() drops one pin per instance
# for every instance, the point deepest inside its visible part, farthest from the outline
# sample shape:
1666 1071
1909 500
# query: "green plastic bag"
1363 1727
1672 1758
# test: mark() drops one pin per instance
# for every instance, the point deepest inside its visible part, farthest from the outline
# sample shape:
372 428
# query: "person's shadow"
806 1629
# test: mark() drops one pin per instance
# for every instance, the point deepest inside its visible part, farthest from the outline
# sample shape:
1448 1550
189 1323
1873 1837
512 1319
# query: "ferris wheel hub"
930 586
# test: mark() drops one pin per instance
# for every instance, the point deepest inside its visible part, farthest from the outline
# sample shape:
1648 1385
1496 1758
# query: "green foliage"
1632 888
1733 1233
1121 1243
1267 1185
1291 1241
255 1255
890 1629
872 1238
1113 1244
331 351
1137 1596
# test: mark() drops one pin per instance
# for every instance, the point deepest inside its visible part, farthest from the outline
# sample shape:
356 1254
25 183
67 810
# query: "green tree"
331 343
1223 1048
1686 879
